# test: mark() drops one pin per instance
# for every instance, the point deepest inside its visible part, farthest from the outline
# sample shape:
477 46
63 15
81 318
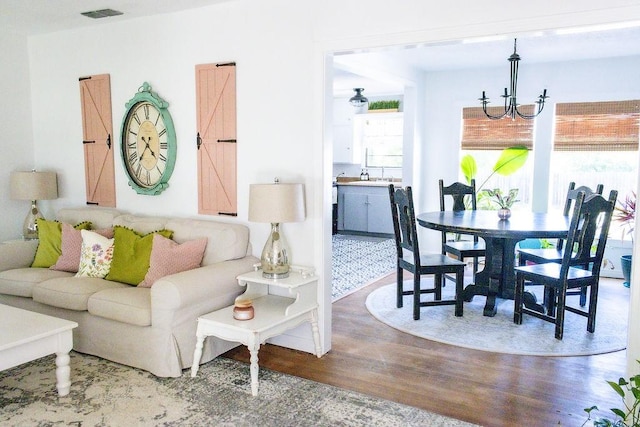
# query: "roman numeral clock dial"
148 142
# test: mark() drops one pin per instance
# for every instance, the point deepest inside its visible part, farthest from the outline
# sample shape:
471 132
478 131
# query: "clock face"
148 142
145 145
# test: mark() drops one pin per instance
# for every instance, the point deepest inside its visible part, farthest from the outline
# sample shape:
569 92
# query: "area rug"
499 334
359 262
108 394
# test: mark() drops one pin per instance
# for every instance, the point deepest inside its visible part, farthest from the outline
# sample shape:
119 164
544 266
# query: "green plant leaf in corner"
511 159
469 167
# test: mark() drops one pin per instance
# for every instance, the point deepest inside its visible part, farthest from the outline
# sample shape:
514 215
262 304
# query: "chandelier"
510 99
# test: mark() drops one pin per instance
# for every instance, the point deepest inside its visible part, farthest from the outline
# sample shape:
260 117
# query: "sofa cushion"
141 224
128 305
95 256
99 217
226 241
50 241
131 254
169 257
20 281
71 293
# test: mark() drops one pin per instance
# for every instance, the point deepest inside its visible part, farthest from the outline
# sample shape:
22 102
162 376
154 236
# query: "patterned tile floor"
358 261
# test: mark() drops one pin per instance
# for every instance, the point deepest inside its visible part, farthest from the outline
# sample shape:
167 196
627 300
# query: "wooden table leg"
316 332
197 355
253 350
63 373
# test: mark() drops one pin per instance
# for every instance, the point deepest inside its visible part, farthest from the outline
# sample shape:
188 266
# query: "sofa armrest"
17 254
198 291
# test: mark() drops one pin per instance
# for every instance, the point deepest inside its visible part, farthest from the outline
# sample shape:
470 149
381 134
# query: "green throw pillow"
131 254
50 241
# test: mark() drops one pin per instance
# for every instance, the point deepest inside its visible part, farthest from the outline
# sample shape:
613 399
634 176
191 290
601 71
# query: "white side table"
274 315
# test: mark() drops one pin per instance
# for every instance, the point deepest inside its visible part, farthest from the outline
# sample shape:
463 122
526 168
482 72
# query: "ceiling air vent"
102 13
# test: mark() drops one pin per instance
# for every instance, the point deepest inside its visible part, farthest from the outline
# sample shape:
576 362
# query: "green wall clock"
148 142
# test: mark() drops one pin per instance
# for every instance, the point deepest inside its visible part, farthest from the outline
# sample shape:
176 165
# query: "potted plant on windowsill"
625 213
384 106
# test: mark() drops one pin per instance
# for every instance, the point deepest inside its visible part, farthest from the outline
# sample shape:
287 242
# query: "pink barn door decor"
97 140
216 138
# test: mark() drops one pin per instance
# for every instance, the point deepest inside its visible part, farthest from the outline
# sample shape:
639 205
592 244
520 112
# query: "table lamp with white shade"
276 203
33 186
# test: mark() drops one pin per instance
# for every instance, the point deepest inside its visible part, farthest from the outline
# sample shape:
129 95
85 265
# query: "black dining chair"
543 255
409 258
579 267
461 248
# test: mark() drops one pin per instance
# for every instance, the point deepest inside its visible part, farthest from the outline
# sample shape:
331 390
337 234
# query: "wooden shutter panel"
97 140
481 133
216 121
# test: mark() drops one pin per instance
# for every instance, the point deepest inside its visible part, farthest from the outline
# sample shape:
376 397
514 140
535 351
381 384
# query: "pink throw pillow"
169 257
71 247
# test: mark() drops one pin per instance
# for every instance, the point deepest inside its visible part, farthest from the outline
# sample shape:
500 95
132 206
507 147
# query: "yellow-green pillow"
131 254
50 241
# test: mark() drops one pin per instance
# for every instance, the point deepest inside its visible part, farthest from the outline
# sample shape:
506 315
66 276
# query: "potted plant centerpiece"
625 213
510 161
504 202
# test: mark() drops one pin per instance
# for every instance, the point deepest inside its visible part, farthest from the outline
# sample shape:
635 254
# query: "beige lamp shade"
34 185
276 203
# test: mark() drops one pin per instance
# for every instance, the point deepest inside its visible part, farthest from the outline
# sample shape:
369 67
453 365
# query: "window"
381 137
595 143
484 139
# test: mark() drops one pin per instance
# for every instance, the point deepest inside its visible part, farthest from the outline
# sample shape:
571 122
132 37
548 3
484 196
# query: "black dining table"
497 279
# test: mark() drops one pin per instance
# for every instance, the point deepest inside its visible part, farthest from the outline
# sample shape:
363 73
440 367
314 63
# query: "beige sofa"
147 328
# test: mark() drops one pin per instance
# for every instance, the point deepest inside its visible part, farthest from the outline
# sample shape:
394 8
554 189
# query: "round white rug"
499 334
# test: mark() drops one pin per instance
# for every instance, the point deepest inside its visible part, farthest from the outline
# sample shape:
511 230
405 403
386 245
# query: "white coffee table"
27 336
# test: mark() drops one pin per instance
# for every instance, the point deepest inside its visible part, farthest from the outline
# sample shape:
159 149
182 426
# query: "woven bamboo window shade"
482 133
597 126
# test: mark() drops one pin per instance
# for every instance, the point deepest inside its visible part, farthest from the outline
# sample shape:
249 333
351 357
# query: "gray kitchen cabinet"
355 212
364 209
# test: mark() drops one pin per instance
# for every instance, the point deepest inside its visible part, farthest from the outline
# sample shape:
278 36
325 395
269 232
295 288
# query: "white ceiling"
551 46
42 16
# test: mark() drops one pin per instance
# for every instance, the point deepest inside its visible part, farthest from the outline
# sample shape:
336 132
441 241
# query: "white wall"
16 141
273 118
280 47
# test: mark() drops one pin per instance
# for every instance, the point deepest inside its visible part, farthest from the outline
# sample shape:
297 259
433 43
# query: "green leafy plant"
630 415
511 159
625 212
384 105
504 202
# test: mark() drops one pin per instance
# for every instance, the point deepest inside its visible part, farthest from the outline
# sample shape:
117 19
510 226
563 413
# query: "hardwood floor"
485 388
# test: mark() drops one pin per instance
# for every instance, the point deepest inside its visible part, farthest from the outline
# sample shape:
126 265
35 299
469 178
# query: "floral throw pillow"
71 246
96 255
